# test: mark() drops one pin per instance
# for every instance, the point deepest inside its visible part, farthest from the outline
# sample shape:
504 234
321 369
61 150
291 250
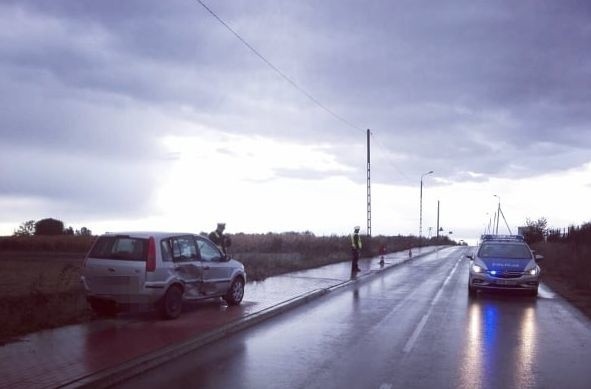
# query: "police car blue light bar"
502 237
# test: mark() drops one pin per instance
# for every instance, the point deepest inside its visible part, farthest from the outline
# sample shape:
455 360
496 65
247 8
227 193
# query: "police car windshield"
504 250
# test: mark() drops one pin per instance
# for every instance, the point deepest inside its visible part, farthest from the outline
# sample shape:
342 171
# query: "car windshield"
504 250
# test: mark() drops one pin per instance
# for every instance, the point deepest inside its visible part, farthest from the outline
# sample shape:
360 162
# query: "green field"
40 276
41 289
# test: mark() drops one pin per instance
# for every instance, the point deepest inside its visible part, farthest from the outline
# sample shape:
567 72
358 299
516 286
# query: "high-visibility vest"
353 236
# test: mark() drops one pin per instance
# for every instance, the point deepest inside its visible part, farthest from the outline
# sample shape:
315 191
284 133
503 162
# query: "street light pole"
421 207
438 220
498 214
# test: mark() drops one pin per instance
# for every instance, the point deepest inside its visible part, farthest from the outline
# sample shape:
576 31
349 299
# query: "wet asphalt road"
410 327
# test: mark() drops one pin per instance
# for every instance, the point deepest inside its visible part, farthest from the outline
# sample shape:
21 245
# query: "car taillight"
151 260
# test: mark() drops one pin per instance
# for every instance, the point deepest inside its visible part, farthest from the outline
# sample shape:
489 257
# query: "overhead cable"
278 71
381 145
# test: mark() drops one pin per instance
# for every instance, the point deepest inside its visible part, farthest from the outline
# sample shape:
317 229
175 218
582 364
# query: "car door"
187 265
216 269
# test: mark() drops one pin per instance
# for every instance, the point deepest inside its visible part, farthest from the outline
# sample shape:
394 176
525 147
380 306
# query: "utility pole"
506 224
368 188
498 217
492 230
498 214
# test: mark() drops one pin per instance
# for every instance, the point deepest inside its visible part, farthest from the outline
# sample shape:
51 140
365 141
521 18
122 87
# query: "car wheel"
172 303
104 308
235 293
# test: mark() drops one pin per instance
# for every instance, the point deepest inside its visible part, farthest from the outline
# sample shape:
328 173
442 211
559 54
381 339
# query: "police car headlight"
477 269
533 272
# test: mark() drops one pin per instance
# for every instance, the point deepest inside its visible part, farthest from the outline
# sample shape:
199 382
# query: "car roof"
148 234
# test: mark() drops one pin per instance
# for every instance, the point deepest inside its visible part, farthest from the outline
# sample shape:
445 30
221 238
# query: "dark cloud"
470 89
89 185
78 123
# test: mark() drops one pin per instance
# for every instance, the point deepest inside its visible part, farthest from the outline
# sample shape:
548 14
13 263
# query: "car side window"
183 249
209 252
165 249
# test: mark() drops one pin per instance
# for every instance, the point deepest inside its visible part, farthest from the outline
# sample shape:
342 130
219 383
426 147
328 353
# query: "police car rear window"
120 248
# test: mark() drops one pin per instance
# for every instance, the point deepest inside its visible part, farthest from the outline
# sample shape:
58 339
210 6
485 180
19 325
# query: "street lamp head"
498 197
429 172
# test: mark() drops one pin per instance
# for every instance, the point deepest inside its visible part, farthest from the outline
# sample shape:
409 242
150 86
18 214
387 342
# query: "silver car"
157 268
504 262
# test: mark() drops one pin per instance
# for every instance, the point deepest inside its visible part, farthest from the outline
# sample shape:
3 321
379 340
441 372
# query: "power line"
400 172
278 71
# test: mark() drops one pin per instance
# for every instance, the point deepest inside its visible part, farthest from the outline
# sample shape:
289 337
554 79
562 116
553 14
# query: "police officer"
218 237
382 253
355 248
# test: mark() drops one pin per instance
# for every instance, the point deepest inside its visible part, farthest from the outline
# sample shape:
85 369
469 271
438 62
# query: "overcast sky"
152 115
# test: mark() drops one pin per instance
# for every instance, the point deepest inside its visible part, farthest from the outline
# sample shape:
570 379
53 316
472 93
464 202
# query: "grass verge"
25 314
41 290
567 270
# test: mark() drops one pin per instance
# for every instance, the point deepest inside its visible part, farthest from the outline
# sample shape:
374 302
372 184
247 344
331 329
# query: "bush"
49 227
270 254
61 243
567 261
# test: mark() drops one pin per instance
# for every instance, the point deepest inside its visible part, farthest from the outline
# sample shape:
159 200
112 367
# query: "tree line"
538 231
48 227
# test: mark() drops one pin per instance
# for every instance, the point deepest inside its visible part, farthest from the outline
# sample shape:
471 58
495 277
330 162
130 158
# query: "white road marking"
438 295
411 341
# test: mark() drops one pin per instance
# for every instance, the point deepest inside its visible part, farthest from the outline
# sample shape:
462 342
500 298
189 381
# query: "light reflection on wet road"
413 326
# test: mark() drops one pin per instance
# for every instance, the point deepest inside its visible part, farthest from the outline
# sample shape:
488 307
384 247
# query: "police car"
504 262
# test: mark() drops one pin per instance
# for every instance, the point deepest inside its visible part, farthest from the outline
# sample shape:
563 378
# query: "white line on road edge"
411 341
